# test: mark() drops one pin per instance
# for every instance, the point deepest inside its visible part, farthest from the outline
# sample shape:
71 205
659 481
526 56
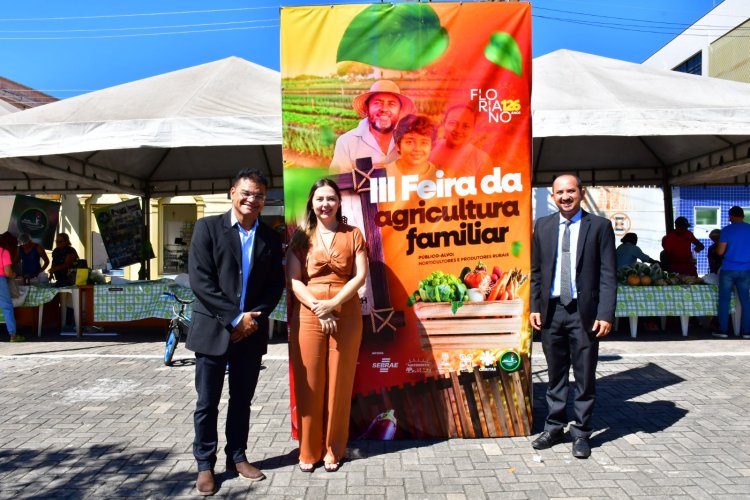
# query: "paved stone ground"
101 417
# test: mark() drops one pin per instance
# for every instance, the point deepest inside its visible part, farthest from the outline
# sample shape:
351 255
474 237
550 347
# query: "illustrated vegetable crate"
476 325
463 405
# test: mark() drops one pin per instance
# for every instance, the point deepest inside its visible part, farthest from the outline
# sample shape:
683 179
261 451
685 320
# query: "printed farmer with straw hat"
380 108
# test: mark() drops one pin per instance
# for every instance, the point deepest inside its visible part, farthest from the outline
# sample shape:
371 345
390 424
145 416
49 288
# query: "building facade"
716 45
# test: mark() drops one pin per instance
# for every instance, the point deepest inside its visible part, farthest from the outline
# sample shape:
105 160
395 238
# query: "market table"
36 296
674 300
121 302
145 299
136 300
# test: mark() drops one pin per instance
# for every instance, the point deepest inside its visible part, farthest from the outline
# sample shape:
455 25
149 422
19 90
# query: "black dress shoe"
546 440
581 448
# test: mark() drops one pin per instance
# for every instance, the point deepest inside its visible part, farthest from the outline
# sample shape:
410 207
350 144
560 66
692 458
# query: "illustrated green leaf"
515 248
503 50
297 184
402 37
455 305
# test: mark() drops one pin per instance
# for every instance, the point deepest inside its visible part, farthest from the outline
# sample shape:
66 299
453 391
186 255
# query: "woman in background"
63 257
628 252
7 250
326 265
29 255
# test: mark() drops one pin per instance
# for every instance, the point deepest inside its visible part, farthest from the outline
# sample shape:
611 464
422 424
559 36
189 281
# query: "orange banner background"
406 345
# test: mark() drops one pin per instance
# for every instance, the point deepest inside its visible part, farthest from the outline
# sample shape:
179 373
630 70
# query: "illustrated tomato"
478 277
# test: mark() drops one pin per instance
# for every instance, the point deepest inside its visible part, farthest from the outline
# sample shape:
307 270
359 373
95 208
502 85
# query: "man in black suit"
236 273
573 298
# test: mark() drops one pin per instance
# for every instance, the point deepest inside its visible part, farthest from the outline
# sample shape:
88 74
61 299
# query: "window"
706 219
692 65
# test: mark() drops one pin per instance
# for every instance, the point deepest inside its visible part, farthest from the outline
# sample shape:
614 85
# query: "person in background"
326 265
734 246
714 259
30 254
7 249
63 257
678 248
628 252
237 277
456 153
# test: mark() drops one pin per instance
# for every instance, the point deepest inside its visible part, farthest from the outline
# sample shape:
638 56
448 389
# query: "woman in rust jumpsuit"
326 265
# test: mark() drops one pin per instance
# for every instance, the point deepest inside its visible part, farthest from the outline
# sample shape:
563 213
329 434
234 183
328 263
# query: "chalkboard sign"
121 227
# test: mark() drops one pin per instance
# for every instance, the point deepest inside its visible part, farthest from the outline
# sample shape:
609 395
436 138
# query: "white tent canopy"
183 132
620 123
189 131
6 109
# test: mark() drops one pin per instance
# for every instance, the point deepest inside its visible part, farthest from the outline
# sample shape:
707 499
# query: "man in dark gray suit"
573 298
236 273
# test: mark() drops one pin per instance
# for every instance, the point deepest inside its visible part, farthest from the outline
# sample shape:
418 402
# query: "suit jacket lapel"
555 230
258 246
232 236
582 232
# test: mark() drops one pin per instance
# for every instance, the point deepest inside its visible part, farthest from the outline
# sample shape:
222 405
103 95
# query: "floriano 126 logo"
496 109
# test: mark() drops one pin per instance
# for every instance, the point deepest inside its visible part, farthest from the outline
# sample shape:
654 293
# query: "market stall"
106 304
684 301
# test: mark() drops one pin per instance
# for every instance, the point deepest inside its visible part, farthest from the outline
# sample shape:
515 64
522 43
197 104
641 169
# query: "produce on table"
642 274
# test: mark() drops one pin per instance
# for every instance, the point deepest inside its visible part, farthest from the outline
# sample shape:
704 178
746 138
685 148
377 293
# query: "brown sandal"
331 467
306 467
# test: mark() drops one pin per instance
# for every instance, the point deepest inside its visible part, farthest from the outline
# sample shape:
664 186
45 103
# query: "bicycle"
178 327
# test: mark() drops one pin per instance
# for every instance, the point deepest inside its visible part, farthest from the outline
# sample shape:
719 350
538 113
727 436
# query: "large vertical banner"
421 112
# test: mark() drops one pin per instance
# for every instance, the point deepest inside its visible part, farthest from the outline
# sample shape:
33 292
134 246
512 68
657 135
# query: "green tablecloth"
35 296
132 301
279 313
677 300
137 300
144 299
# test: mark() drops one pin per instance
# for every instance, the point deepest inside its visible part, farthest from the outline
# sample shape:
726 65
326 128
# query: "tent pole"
146 200
668 210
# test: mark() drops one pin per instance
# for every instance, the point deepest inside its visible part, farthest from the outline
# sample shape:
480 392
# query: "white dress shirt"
575 226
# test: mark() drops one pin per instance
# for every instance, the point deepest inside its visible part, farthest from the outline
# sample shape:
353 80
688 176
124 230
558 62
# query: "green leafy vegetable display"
440 287
503 50
404 37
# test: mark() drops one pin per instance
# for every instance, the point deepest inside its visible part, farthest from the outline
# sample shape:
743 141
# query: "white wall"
635 210
6 206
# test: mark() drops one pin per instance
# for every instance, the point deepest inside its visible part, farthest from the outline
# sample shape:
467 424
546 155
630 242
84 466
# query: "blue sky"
72 47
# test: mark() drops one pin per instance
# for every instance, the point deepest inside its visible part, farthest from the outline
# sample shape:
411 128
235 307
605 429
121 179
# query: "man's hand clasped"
246 327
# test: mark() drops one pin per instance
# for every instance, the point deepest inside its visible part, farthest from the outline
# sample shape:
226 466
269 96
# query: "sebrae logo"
385 365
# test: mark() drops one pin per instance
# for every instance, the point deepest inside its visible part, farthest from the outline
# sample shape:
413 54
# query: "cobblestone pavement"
101 417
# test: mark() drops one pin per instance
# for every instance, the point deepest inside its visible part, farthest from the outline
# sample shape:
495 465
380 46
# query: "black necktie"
566 295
